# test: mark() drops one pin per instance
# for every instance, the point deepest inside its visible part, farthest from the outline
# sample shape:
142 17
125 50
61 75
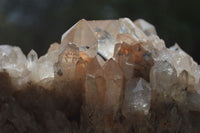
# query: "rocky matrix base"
112 76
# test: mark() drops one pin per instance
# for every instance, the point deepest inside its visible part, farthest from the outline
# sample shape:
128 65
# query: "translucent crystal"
197 87
114 85
46 65
126 38
154 45
125 60
146 27
106 32
80 72
95 85
182 61
68 57
32 65
83 36
100 60
127 26
137 97
54 47
12 59
157 79
32 59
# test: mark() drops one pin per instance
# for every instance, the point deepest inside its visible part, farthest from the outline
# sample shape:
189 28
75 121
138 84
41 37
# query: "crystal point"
148 28
137 97
83 36
114 85
32 57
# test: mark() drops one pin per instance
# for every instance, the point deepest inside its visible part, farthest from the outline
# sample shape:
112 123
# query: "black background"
34 24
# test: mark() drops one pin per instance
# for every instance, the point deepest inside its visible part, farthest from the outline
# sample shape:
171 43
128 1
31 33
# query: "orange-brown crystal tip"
85 56
137 51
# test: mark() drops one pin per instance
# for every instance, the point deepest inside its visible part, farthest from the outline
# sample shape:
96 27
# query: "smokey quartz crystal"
105 76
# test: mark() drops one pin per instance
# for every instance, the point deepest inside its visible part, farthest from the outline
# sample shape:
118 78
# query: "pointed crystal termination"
128 27
65 68
32 65
109 32
158 81
146 27
54 47
182 61
46 64
114 86
125 59
137 97
32 59
95 85
141 61
106 32
83 36
13 61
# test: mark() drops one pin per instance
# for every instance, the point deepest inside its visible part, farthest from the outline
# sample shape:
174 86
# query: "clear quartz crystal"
146 27
82 35
111 31
162 76
127 26
114 85
46 65
137 97
106 32
12 59
68 57
32 65
182 61
95 85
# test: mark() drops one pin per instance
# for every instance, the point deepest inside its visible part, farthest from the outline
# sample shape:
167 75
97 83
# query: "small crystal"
127 26
46 64
32 59
32 65
54 47
182 61
162 76
137 97
67 61
13 61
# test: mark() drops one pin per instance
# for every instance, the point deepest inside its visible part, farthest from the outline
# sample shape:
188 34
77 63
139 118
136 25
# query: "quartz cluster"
105 76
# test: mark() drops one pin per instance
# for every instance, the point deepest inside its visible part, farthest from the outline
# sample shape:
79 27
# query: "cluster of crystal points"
105 76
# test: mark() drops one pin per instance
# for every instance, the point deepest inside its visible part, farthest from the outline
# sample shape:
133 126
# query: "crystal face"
105 76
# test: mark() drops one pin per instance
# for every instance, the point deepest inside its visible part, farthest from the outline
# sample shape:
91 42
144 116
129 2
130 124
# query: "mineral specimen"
105 76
